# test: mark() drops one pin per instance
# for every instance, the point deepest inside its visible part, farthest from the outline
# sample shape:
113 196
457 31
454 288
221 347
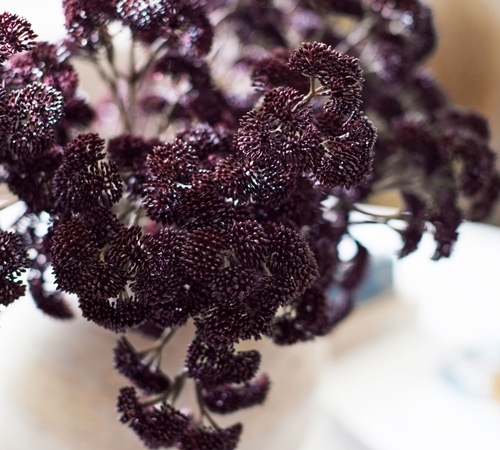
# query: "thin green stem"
203 409
398 215
159 345
174 391
177 386
132 83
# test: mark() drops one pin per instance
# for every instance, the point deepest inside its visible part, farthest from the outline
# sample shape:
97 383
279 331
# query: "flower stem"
203 409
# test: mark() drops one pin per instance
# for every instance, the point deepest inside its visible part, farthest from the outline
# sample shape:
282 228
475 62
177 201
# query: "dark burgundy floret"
203 438
445 221
204 253
301 209
31 179
235 178
128 404
34 110
5 118
273 71
125 252
176 21
13 261
46 63
161 272
228 399
84 181
51 303
175 311
208 143
16 35
339 74
416 224
175 162
86 22
129 152
156 427
250 318
348 158
280 133
146 377
291 264
213 366
115 314
77 265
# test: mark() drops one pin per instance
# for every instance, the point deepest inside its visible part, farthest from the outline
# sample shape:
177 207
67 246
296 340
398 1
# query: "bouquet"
249 133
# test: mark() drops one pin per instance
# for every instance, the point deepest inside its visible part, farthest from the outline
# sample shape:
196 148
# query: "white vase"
58 387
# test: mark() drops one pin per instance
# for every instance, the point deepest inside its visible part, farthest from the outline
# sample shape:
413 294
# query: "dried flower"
83 180
148 378
228 399
16 35
213 366
212 204
13 261
202 438
156 427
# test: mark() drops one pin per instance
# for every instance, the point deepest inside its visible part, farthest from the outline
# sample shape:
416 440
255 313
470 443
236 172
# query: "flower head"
13 261
16 35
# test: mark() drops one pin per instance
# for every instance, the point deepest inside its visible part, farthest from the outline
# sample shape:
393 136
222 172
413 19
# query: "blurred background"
417 365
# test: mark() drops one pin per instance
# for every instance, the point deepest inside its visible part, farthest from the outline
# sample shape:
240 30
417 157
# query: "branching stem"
154 351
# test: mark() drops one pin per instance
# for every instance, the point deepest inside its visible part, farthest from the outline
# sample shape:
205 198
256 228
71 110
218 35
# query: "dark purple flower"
339 74
348 158
241 319
213 366
118 313
416 225
202 438
46 63
77 265
85 21
51 303
34 110
228 399
168 19
280 132
16 35
84 180
146 377
129 152
13 261
273 71
161 273
157 427
31 179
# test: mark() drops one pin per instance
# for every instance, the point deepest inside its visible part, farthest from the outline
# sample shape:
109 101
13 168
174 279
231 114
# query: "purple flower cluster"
208 206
